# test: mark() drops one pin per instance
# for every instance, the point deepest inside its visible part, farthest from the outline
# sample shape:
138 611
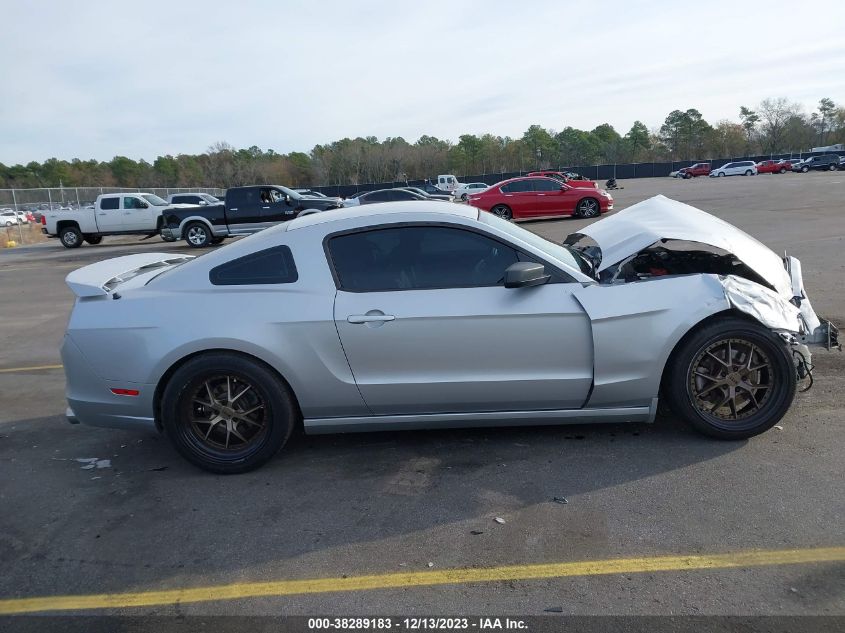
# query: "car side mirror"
203 203
525 274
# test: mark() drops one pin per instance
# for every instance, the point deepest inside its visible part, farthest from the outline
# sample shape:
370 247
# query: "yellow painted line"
237 591
17 370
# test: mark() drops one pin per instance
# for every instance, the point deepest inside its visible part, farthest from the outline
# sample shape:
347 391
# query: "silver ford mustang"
412 315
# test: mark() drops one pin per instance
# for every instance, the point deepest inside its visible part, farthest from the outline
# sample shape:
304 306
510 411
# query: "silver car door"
460 349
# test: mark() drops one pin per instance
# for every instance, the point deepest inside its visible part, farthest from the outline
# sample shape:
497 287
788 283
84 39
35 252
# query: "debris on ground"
778 427
93 462
476 532
159 469
430 564
499 520
554 610
561 500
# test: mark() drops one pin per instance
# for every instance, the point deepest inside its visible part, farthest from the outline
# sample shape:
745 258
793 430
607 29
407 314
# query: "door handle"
101 213
233 209
369 318
265 207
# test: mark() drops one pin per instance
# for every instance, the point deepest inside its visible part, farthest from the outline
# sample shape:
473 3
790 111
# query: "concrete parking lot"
417 510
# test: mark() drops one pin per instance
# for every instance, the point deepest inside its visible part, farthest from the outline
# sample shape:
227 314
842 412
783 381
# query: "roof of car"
383 208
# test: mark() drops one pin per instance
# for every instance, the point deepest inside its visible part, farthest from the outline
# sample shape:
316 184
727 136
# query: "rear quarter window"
270 266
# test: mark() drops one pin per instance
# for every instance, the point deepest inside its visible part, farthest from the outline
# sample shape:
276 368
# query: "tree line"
774 126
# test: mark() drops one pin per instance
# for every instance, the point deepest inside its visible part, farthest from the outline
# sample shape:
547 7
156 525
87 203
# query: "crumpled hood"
628 232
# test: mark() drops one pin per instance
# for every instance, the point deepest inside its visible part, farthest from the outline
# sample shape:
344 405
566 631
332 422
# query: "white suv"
739 168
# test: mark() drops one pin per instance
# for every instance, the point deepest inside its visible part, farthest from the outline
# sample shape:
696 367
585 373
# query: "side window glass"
270 266
110 203
130 203
418 258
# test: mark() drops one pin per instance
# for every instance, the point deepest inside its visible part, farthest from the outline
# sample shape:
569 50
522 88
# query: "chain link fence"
54 198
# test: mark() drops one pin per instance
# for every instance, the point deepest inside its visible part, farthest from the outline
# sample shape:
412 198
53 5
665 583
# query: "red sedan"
538 197
773 167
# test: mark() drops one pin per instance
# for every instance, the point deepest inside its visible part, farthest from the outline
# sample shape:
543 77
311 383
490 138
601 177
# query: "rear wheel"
748 172
226 413
197 235
805 169
70 237
93 239
588 208
831 167
464 197
781 170
731 379
502 211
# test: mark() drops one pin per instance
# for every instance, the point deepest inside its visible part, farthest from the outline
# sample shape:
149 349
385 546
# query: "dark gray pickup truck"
246 210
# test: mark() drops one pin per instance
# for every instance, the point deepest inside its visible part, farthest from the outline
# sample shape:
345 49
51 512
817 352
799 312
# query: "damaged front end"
661 238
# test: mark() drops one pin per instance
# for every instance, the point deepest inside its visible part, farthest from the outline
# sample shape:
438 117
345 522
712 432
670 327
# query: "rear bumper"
91 402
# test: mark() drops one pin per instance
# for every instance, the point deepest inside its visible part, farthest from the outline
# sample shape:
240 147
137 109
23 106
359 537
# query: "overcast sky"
97 79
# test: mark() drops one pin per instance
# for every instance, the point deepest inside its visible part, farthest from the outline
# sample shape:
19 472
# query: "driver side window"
418 258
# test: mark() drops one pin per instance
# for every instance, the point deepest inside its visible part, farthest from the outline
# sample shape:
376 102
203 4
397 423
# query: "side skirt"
363 424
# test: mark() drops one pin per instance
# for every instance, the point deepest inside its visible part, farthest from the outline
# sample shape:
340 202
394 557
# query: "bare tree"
774 116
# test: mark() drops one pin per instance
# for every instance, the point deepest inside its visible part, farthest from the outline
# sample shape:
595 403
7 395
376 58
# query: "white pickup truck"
113 214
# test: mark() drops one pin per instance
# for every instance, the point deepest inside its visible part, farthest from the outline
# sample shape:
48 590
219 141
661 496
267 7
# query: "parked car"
22 216
530 197
115 214
246 210
435 315
785 165
826 162
769 167
739 168
9 218
309 193
693 171
387 195
30 216
580 181
444 197
463 191
201 199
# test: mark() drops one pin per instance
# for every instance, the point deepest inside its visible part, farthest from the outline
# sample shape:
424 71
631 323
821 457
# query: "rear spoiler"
103 277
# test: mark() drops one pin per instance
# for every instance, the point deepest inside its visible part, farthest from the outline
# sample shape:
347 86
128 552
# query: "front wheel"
226 413
502 211
805 169
70 237
197 235
464 197
831 167
731 379
588 208
721 174
748 172
782 170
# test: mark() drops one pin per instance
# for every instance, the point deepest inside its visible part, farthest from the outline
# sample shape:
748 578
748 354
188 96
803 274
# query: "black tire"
70 237
748 172
270 407
721 174
805 169
687 176
93 239
503 211
588 208
464 197
197 235
8 223
217 240
691 391
831 167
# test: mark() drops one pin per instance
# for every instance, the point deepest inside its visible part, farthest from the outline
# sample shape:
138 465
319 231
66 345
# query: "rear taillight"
124 392
43 219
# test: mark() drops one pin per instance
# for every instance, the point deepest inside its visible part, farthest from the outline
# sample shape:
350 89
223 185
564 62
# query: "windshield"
154 200
556 251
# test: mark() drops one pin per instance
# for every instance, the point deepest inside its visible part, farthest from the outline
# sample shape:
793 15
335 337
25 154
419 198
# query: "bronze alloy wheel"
730 380
227 414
